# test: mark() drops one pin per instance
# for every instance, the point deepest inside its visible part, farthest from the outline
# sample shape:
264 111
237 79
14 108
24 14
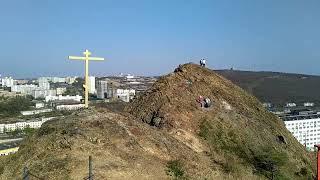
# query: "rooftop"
9 145
300 117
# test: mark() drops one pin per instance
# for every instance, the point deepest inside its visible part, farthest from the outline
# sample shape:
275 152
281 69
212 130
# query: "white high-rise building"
63 98
61 90
125 94
43 83
305 128
43 93
102 89
92 85
58 80
291 105
308 104
129 76
24 89
7 82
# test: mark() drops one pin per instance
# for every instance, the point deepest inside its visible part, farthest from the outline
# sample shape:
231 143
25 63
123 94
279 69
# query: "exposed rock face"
235 138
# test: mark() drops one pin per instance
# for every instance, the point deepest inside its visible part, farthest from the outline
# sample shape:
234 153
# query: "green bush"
45 130
175 169
15 132
29 131
305 173
1 169
76 88
12 106
269 161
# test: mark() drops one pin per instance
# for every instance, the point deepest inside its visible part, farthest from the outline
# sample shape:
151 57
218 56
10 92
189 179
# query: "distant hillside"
275 87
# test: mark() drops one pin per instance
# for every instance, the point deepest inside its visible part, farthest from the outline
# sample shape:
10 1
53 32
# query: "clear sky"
152 37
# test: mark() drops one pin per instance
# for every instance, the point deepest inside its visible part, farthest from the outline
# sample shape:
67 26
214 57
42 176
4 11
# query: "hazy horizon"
150 75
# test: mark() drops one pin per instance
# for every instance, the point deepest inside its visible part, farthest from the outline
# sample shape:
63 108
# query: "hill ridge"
234 113
166 132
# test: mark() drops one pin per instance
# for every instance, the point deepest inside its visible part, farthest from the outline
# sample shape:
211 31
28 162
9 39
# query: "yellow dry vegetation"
166 130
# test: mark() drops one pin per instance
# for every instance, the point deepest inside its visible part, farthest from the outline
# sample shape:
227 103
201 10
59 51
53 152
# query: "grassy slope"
122 148
241 140
210 144
60 150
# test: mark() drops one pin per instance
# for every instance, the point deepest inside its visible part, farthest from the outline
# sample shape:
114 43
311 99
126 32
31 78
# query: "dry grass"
238 142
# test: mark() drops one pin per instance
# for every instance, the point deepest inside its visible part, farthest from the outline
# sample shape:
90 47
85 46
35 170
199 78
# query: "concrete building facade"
70 107
92 84
291 104
39 93
24 124
102 89
33 112
63 98
125 94
61 90
7 82
43 83
39 105
24 89
308 104
305 128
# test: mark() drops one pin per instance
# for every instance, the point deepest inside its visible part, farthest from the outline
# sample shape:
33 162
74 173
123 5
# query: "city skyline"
152 38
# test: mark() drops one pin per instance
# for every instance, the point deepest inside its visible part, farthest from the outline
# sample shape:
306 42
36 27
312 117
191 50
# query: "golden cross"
86 86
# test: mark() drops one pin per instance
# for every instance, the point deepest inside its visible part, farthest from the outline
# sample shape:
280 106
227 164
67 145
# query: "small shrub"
303 172
29 131
269 161
45 130
204 129
230 166
175 169
1 169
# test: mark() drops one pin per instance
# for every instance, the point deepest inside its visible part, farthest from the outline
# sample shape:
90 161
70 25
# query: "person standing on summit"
203 62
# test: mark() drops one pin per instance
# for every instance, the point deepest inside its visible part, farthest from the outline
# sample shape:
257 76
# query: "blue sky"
150 37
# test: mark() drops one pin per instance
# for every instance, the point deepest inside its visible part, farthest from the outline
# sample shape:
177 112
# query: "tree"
12 106
28 130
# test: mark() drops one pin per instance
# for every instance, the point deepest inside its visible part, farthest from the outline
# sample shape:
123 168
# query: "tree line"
12 106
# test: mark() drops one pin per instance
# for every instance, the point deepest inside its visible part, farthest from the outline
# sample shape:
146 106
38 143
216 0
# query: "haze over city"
152 37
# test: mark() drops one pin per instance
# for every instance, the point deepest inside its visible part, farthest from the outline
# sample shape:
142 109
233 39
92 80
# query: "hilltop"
275 87
166 132
240 134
